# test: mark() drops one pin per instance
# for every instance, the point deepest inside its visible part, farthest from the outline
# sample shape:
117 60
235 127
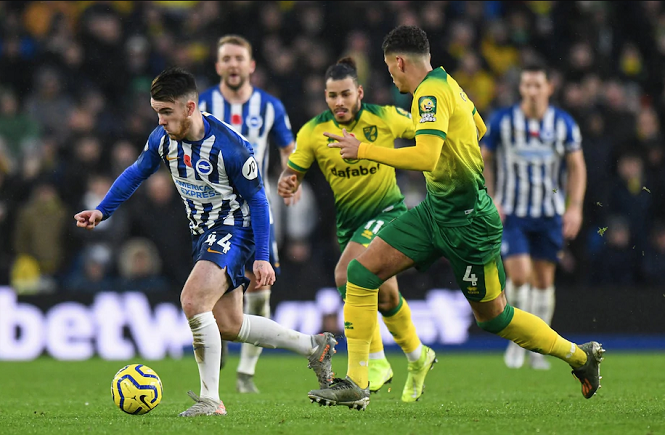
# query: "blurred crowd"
75 112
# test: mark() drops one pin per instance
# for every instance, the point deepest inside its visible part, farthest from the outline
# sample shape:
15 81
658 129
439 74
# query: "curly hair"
406 39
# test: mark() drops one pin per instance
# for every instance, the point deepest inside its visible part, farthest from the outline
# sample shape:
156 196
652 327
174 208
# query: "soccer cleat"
538 361
203 406
514 356
343 392
245 383
321 360
417 371
380 373
589 373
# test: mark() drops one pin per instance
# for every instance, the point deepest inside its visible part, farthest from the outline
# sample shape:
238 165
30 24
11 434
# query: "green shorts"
366 232
474 250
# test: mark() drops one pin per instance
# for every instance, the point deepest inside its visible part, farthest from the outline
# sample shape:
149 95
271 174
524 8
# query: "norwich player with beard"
456 220
367 199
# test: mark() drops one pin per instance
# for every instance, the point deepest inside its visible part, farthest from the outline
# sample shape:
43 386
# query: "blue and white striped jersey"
262 117
530 160
216 176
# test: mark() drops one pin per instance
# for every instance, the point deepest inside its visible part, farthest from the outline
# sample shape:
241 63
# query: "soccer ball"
136 389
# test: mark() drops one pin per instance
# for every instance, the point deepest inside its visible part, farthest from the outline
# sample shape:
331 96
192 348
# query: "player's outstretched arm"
88 219
421 157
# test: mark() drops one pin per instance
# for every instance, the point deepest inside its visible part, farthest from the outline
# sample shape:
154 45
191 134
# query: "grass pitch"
471 393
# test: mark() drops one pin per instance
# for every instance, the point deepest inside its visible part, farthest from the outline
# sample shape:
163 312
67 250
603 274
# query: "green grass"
466 394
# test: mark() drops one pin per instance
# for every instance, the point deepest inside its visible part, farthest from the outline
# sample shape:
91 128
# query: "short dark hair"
173 83
406 39
535 66
345 67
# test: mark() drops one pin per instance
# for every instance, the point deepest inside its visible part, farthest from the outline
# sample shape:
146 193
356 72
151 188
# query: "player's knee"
500 322
360 276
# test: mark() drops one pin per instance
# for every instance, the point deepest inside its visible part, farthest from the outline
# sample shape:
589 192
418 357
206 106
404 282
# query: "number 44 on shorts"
224 242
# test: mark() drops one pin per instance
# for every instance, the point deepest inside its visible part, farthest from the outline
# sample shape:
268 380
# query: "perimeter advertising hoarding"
119 326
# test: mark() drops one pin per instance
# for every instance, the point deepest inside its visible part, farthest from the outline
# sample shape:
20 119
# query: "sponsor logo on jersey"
250 169
355 172
427 109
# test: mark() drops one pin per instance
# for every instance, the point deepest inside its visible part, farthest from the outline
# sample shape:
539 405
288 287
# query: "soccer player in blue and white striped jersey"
536 174
262 119
218 178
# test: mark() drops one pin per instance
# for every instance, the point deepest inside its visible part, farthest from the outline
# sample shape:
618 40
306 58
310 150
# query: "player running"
367 199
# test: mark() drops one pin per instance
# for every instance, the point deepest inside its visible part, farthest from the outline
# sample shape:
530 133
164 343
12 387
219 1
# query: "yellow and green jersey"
456 187
362 188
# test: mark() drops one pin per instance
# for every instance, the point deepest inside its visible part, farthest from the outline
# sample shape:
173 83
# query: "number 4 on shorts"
470 277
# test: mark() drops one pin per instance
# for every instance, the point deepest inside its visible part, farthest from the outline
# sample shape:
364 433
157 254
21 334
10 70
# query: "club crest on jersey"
203 167
371 132
250 169
254 121
427 109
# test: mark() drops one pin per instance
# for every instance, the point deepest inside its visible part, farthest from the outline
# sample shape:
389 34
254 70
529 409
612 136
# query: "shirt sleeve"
434 106
243 172
401 122
492 139
281 129
573 135
303 156
131 178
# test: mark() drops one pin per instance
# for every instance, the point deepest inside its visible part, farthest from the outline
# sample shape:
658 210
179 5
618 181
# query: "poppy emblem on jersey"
203 167
188 161
370 132
236 119
427 109
254 121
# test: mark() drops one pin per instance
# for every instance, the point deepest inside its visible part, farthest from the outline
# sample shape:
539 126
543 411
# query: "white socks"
518 297
207 351
256 303
264 332
377 355
542 303
415 355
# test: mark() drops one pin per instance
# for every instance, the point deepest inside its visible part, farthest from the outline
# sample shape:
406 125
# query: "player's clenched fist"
88 219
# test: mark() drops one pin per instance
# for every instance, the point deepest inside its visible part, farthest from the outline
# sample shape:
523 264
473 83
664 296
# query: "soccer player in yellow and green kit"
367 198
456 220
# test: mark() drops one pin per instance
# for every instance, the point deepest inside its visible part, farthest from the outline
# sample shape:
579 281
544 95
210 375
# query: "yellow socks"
400 325
376 345
360 324
532 333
